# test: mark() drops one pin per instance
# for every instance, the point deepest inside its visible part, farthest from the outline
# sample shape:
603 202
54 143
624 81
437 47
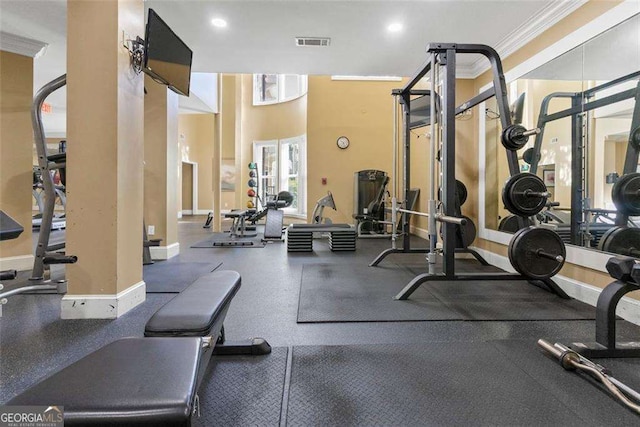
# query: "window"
282 166
274 88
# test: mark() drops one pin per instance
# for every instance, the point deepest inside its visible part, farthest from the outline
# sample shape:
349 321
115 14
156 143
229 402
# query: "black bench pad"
132 381
199 309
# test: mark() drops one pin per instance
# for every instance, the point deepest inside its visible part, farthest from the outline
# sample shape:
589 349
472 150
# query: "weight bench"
153 380
238 227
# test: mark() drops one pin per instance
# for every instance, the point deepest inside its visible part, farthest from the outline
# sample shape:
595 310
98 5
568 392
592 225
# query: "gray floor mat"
174 277
243 390
358 293
455 383
507 300
224 241
578 392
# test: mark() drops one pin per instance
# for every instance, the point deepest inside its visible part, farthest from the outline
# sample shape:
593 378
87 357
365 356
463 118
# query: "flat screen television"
517 110
421 111
167 57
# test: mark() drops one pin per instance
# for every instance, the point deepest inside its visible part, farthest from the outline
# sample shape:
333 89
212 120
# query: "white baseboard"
102 306
164 252
187 212
203 211
20 262
628 308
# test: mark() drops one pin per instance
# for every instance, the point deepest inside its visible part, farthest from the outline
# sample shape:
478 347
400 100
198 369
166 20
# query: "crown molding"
465 71
21 45
530 29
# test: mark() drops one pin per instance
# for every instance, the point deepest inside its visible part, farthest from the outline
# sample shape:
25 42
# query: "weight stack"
342 240
299 241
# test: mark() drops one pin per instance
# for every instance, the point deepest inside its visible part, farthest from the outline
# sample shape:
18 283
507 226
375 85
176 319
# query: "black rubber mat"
576 391
223 240
243 390
174 277
359 293
507 300
454 383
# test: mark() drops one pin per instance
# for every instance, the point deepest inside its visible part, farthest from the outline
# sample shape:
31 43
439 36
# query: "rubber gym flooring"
341 373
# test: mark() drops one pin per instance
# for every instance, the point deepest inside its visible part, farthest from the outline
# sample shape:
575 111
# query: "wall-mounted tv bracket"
136 53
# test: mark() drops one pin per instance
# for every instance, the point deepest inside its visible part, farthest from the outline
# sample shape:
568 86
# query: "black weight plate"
605 237
626 194
521 204
505 200
510 223
634 139
461 192
528 154
512 138
523 252
623 241
466 234
252 173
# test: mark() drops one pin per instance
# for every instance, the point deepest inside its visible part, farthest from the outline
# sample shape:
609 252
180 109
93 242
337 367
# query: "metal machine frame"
443 55
580 104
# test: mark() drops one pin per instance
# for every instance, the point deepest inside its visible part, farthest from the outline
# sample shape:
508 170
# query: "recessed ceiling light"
395 27
219 22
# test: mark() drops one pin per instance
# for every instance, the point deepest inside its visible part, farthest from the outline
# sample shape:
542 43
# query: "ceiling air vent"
313 41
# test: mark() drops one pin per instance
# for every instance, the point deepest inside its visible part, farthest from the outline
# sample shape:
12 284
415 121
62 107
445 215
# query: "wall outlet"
151 230
554 140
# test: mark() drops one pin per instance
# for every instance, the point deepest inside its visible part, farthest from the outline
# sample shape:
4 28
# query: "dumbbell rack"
255 180
444 56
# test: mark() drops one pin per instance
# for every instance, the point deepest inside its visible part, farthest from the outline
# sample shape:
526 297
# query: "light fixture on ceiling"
218 22
395 27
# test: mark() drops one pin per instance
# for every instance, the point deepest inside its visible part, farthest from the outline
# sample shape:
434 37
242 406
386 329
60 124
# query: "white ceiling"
260 34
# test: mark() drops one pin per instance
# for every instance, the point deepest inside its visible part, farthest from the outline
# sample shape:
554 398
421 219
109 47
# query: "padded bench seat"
199 310
132 381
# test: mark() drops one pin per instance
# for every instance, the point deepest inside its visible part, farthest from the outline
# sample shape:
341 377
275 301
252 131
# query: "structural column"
105 125
161 168
16 155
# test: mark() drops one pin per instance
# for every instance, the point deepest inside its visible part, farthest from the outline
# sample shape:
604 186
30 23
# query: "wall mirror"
583 98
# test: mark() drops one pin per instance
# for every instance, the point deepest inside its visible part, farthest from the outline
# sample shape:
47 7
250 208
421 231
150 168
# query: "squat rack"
444 56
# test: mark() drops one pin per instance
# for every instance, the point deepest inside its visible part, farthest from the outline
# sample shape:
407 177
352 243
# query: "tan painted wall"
363 111
187 186
197 144
16 141
105 170
160 159
359 110
261 123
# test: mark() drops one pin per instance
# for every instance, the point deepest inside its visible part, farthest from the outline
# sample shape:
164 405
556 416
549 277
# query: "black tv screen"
517 110
167 58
